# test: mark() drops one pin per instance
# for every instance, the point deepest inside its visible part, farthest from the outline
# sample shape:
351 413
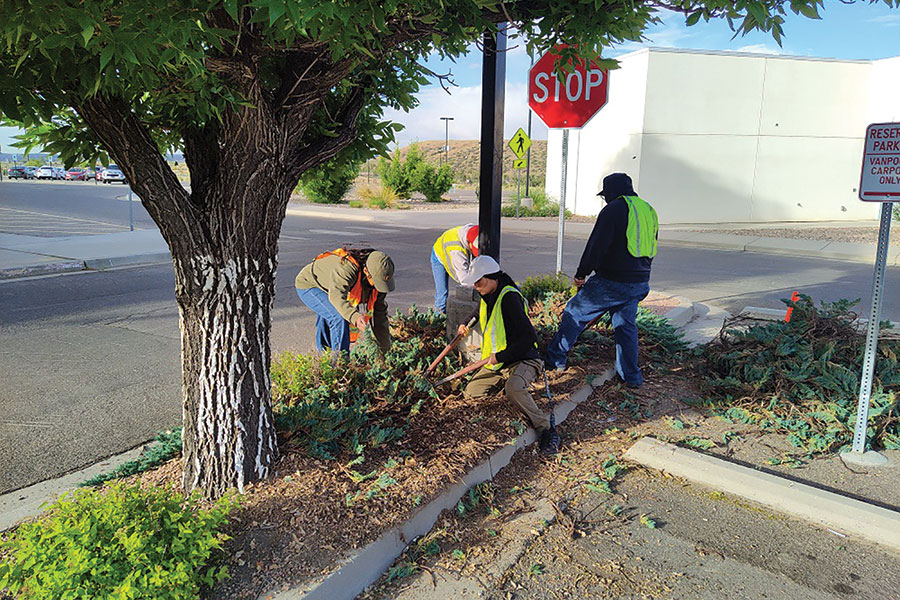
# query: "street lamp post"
446 121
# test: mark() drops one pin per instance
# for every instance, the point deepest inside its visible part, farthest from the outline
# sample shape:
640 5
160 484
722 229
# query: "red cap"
472 239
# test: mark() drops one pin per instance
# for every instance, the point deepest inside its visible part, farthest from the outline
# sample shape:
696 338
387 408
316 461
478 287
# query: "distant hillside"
464 160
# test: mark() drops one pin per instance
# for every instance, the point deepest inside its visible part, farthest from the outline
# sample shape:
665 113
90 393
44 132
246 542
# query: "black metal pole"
493 84
528 154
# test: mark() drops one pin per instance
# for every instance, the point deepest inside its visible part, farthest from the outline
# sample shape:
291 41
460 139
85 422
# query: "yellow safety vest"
493 331
643 226
447 243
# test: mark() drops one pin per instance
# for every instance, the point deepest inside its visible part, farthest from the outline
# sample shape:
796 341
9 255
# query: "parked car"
17 172
31 172
89 174
100 174
59 173
112 173
44 173
75 174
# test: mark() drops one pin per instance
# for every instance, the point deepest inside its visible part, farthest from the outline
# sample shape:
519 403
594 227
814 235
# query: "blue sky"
849 31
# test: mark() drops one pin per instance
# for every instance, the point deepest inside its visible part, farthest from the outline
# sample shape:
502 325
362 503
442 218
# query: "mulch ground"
302 522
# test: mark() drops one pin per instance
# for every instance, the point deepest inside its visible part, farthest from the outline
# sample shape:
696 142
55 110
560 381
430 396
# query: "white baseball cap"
481 266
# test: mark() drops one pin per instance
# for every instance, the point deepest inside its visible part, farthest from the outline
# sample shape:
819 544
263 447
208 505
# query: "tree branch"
136 153
325 148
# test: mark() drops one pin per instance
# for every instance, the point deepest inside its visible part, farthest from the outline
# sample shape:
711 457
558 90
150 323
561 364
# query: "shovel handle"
464 370
449 347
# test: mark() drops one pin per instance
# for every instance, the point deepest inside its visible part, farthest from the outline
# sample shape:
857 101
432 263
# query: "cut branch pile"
802 378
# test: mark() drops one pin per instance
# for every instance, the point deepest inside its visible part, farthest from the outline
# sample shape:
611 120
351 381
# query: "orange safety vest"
355 294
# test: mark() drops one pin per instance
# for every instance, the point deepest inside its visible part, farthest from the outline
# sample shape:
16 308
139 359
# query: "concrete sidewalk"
26 256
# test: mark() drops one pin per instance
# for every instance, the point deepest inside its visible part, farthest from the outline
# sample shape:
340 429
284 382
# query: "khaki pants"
518 376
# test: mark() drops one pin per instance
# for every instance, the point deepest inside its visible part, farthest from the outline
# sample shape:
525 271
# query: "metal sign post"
879 182
560 236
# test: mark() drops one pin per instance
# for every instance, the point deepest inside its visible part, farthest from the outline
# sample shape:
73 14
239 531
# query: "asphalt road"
90 361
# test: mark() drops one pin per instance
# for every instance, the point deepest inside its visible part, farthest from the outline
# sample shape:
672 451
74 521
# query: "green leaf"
105 56
276 9
87 33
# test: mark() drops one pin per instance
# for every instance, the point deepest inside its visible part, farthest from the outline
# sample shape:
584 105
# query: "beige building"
730 137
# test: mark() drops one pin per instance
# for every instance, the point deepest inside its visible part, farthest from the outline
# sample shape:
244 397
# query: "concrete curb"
65 266
368 564
682 314
100 264
827 509
28 502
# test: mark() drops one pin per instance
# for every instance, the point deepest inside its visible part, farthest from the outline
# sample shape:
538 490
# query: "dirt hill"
464 159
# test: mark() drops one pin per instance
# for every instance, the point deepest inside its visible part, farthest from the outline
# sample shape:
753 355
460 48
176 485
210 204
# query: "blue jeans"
332 330
596 297
441 283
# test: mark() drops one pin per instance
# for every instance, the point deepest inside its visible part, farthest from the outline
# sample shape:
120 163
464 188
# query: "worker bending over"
347 287
509 342
452 256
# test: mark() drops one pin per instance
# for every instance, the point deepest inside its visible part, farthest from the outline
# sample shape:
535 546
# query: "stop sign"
570 102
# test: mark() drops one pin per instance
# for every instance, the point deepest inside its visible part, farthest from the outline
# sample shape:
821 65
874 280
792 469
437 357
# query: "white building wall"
726 137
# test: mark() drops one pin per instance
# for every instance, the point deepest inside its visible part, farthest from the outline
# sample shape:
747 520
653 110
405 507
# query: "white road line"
333 232
375 229
28 212
293 237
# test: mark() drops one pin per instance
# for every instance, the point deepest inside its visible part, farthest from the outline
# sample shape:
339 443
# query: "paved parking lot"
67 208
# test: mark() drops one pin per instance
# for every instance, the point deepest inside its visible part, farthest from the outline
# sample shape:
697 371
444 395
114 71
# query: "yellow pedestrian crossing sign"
519 163
520 143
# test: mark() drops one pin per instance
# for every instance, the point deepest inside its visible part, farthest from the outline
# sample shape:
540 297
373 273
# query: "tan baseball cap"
381 268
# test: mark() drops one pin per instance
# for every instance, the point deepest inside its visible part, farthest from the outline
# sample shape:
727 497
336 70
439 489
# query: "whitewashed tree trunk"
229 433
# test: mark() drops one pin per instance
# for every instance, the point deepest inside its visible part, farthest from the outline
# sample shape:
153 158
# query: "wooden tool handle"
449 347
464 370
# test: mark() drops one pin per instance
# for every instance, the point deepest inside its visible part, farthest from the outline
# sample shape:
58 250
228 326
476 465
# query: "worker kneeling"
509 344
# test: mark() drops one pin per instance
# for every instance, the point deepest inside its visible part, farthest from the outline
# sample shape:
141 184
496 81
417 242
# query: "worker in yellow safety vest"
451 257
346 288
618 253
509 344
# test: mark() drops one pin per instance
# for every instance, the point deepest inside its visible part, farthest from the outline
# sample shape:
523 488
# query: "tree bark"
229 432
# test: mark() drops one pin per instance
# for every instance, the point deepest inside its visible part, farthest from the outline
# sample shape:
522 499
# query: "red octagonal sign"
571 102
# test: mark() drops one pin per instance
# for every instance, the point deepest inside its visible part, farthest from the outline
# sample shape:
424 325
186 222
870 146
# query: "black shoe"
550 442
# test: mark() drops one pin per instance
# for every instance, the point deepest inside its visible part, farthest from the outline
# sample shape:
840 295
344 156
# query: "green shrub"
373 399
123 543
397 173
537 287
167 447
542 207
432 182
412 173
329 182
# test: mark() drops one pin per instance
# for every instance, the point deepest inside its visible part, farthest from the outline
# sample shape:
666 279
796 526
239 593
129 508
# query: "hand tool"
464 370
451 345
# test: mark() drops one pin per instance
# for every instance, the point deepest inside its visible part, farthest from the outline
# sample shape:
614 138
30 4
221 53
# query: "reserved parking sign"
880 177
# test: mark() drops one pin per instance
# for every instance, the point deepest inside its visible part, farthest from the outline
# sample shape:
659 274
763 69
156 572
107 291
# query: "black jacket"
606 251
520 335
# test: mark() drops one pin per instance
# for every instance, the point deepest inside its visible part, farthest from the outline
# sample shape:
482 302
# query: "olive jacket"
336 277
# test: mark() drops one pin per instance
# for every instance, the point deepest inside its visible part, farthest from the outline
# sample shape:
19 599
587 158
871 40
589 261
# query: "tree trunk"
223 236
229 433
